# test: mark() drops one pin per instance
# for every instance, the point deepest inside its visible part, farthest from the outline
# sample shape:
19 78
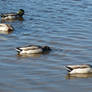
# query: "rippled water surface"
65 26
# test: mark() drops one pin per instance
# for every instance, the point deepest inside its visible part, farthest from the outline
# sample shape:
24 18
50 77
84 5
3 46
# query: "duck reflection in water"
73 76
29 55
32 55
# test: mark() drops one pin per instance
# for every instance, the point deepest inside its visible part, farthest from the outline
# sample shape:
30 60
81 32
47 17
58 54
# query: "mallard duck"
74 69
32 49
6 28
10 16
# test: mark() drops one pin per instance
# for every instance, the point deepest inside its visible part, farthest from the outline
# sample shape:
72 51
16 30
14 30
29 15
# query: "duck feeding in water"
33 49
11 16
79 69
6 28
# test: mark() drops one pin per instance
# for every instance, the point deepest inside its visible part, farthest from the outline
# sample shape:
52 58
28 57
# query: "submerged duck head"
79 69
20 12
5 28
46 48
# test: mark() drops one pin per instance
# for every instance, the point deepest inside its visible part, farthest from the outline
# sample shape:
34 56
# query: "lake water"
65 26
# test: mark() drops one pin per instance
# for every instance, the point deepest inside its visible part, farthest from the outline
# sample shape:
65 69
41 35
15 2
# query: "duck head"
20 12
46 48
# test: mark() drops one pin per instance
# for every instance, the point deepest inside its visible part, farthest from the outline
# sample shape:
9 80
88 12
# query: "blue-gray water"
65 26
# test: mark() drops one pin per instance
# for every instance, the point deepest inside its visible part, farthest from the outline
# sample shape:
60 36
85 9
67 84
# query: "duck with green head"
10 16
32 49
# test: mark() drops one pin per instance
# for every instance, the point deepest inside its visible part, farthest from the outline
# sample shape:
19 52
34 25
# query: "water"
65 26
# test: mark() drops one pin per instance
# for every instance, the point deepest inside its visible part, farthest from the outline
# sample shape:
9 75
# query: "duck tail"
69 69
18 49
2 15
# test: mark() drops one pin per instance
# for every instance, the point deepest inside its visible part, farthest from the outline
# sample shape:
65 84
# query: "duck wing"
26 48
8 14
71 67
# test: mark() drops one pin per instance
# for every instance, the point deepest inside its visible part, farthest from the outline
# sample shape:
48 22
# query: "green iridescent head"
20 12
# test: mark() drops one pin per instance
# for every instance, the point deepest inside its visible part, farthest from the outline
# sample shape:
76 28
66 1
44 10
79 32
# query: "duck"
79 69
32 49
6 28
10 16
